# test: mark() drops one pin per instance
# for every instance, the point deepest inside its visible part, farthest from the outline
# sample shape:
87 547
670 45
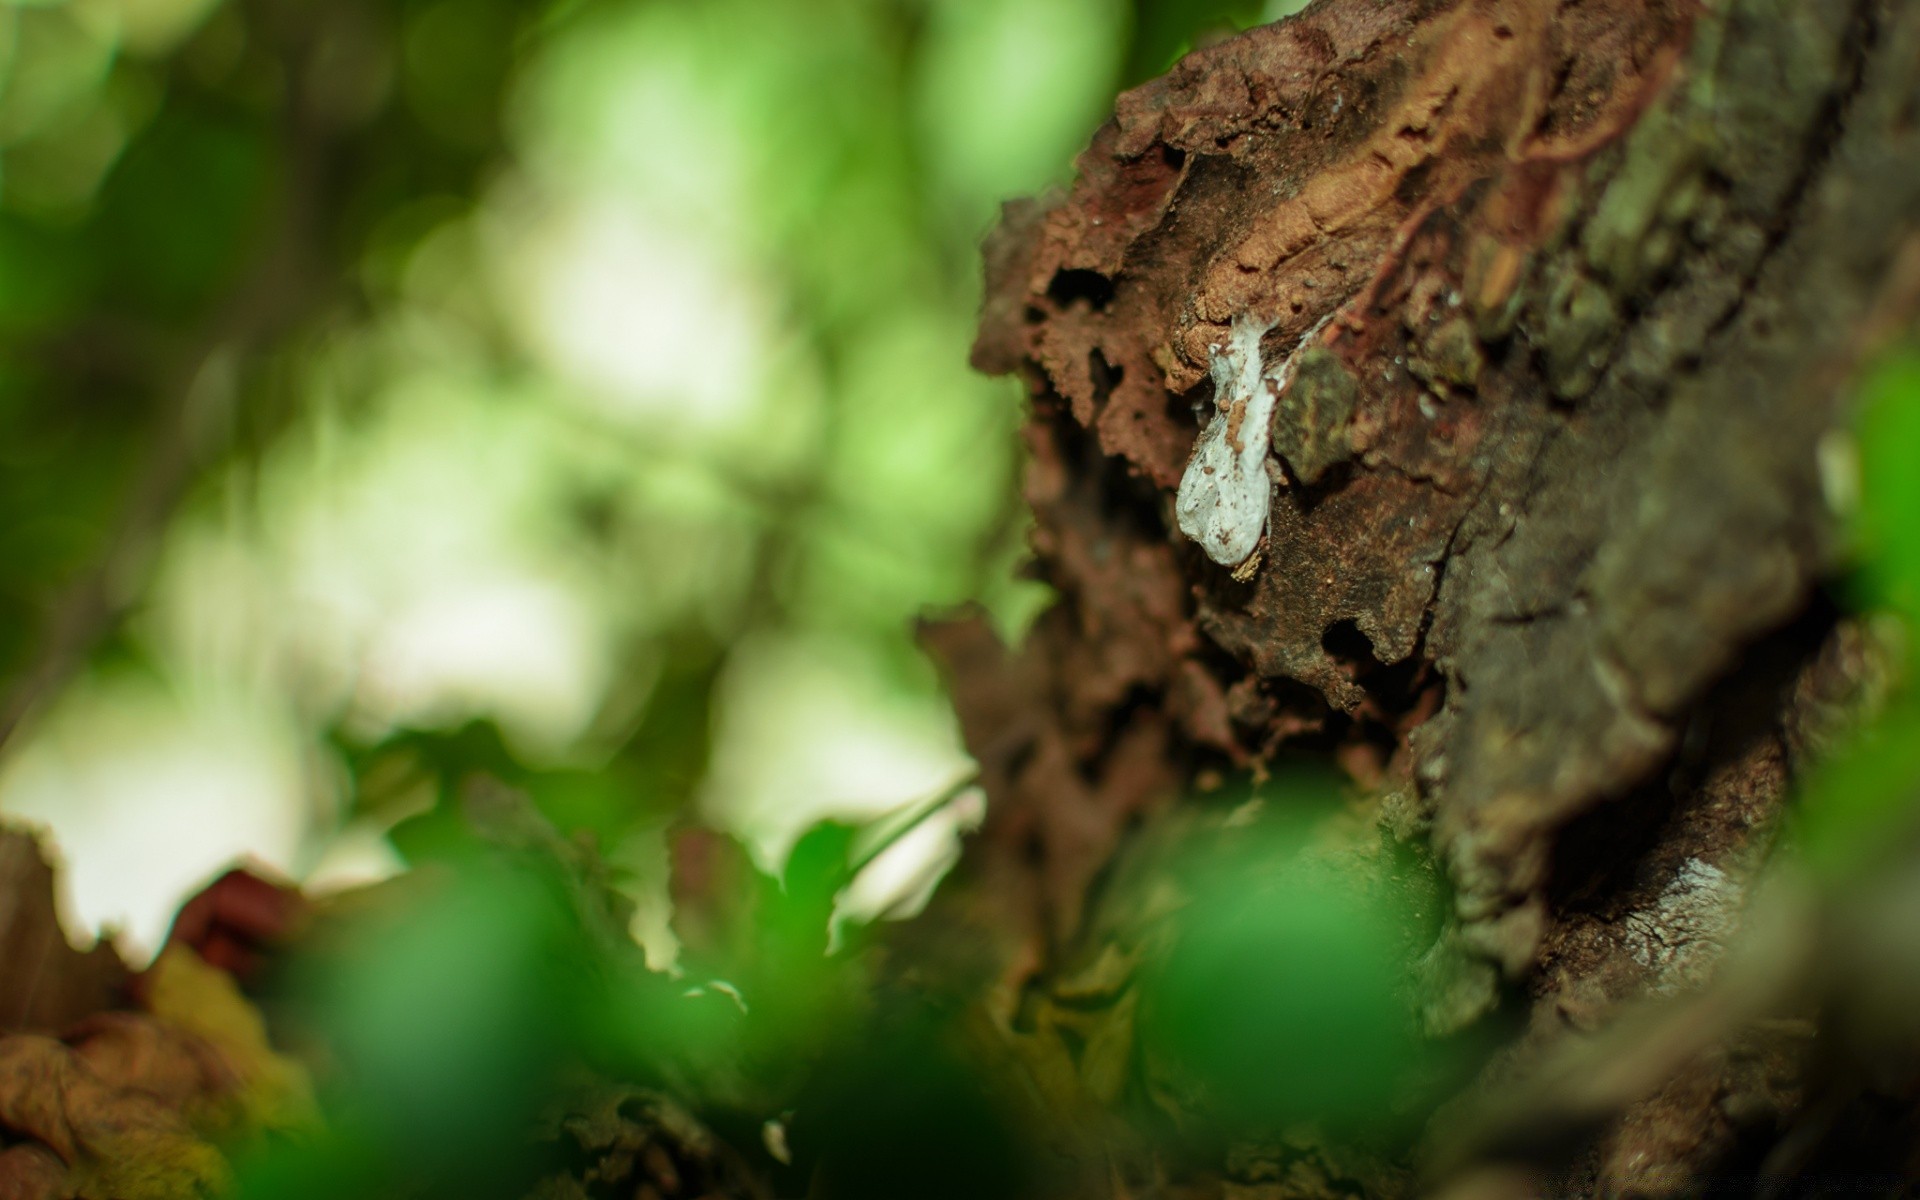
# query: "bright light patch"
149 797
357 856
416 550
149 27
899 882
55 58
811 727
639 102
403 571
655 325
518 650
1011 88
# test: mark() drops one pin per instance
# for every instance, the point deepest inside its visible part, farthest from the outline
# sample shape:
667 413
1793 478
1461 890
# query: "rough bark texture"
1556 486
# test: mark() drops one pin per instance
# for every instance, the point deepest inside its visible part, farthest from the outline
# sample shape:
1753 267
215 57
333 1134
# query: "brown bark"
1582 289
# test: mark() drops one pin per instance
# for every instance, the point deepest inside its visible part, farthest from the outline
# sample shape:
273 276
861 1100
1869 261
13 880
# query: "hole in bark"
1594 850
1555 119
1105 377
1120 724
1132 504
1191 406
1173 156
1344 641
1076 284
1017 759
1599 855
1413 185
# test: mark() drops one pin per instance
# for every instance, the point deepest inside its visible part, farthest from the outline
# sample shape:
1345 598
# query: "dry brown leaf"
123 1104
119 1143
274 1092
30 1172
45 984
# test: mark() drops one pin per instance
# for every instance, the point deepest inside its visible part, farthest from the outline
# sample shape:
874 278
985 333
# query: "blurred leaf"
155 27
340 1165
1167 29
1889 519
55 63
275 1092
449 1015
1008 91
820 864
1859 804
184 209
898 1111
769 237
457 54
1862 800
56 173
1286 997
45 275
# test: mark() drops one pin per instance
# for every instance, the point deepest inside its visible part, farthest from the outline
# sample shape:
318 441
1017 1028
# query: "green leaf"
1889 521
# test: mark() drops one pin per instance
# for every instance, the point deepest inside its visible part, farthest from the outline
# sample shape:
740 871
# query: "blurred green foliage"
1167 29
1889 501
1285 996
1283 1002
592 371
1860 804
409 400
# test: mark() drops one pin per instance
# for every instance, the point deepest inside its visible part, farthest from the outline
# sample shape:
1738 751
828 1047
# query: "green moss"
1449 355
1632 232
1582 320
1310 424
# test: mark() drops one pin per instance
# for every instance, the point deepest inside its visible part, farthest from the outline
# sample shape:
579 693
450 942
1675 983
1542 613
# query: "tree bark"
1563 305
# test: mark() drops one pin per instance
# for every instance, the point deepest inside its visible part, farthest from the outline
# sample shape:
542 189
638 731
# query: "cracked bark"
1544 573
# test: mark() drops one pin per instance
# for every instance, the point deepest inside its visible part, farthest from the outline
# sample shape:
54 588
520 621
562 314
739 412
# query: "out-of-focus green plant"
1284 994
1167 29
1889 501
1284 1001
583 369
566 400
897 1110
454 1009
1861 802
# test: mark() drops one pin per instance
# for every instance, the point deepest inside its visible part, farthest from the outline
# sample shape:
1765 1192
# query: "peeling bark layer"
1557 477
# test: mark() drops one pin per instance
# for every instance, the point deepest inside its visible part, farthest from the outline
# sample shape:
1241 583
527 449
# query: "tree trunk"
1499 356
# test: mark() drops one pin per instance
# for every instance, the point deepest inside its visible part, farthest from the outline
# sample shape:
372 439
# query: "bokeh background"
574 391
573 394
